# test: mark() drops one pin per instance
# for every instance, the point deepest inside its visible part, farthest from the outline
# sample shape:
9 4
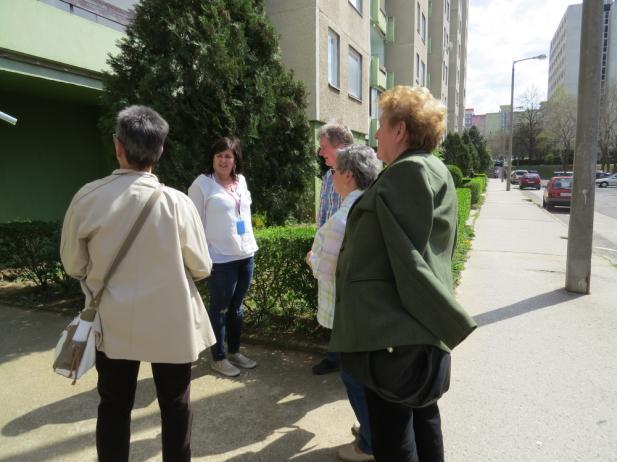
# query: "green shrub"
31 250
476 186
464 233
457 175
483 179
284 291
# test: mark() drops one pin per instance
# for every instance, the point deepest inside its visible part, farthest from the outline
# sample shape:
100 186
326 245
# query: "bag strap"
94 302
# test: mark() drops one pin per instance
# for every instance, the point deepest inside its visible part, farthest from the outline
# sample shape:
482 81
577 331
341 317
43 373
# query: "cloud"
501 31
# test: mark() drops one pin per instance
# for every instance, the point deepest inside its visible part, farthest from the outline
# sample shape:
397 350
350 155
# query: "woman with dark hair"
223 201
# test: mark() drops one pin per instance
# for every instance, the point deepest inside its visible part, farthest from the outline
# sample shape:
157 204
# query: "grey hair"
142 132
337 133
361 161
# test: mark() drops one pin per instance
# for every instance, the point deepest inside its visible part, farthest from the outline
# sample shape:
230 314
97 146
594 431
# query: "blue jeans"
227 287
357 399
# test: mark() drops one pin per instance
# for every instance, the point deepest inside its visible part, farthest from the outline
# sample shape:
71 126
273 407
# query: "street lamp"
509 170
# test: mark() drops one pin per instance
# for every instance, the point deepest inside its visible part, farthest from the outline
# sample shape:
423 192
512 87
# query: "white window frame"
334 59
357 5
354 57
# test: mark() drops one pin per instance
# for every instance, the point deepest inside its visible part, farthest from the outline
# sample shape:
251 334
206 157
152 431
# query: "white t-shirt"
218 210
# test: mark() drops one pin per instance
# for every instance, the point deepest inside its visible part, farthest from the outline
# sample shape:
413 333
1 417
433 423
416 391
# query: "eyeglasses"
334 170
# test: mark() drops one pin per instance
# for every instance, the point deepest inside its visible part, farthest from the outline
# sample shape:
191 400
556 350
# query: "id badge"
240 228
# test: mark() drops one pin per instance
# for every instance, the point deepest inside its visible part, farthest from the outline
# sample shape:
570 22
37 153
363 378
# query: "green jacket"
394 276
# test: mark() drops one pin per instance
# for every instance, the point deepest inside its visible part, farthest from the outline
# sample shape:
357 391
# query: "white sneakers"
238 359
227 366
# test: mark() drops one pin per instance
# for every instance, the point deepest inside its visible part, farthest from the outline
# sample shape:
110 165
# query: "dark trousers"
403 434
116 386
227 287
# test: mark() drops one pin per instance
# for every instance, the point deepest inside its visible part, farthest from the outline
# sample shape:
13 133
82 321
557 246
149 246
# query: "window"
374 103
333 59
444 37
418 17
446 74
423 28
357 4
422 74
443 71
354 84
417 68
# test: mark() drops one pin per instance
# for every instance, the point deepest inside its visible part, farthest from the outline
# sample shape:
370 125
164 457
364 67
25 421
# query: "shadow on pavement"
546 300
233 415
42 330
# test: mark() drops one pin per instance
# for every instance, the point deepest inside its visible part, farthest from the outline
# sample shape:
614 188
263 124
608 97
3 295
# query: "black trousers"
116 386
402 434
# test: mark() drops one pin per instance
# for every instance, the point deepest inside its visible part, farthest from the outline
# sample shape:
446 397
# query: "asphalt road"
605 219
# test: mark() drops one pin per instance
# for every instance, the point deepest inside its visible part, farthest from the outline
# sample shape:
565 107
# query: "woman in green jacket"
395 309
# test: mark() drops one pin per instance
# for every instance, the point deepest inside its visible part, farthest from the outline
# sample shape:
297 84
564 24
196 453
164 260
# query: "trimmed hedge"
464 234
457 175
31 250
284 291
282 297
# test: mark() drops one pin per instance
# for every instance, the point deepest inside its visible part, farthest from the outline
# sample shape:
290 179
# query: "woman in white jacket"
223 201
150 309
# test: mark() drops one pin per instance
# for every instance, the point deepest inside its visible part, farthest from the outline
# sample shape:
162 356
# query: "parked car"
607 181
560 173
558 192
499 163
493 172
530 180
516 175
601 174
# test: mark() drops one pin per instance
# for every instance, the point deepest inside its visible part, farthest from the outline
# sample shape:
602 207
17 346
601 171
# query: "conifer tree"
212 68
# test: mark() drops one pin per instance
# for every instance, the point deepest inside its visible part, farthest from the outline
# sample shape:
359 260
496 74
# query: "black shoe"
325 367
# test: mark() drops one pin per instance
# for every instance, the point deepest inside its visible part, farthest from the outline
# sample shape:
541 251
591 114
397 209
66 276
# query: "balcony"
378 17
378 76
373 126
390 30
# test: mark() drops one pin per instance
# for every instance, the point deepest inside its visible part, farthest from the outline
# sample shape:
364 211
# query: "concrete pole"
509 170
580 232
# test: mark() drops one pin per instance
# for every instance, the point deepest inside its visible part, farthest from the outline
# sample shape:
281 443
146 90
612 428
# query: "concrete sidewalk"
536 382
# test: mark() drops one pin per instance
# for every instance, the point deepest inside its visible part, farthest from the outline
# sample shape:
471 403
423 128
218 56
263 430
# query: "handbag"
75 351
412 375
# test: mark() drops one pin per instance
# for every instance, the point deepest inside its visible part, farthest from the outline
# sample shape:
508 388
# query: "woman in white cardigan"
223 201
356 168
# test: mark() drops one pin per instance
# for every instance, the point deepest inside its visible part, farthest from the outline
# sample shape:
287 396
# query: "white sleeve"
197 196
195 253
73 248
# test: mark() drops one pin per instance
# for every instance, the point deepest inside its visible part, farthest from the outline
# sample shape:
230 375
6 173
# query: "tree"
560 124
212 69
479 142
528 126
607 135
473 152
455 152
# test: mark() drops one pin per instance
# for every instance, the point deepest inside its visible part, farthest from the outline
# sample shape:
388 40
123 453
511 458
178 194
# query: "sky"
501 31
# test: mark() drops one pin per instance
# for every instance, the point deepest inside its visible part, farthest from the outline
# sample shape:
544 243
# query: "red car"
529 180
558 192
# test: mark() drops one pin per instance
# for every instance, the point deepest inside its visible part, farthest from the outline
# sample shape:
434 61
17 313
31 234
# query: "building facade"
327 44
52 55
565 49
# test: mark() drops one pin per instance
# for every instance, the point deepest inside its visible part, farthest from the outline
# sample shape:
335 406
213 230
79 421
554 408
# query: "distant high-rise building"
565 50
468 118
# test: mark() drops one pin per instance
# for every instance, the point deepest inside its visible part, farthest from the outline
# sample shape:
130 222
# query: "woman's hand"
308 257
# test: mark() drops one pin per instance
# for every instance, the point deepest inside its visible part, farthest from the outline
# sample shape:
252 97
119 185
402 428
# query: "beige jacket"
151 310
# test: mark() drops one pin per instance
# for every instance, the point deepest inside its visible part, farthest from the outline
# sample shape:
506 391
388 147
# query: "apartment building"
52 54
565 49
459 14
327 44
398 42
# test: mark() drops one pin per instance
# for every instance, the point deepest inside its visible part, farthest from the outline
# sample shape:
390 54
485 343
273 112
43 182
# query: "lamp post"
509 170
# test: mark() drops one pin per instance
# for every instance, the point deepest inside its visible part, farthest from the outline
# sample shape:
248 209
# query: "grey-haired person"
356 167
150 309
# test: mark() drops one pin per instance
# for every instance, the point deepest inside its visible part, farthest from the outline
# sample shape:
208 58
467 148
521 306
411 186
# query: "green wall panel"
33 28
53 150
